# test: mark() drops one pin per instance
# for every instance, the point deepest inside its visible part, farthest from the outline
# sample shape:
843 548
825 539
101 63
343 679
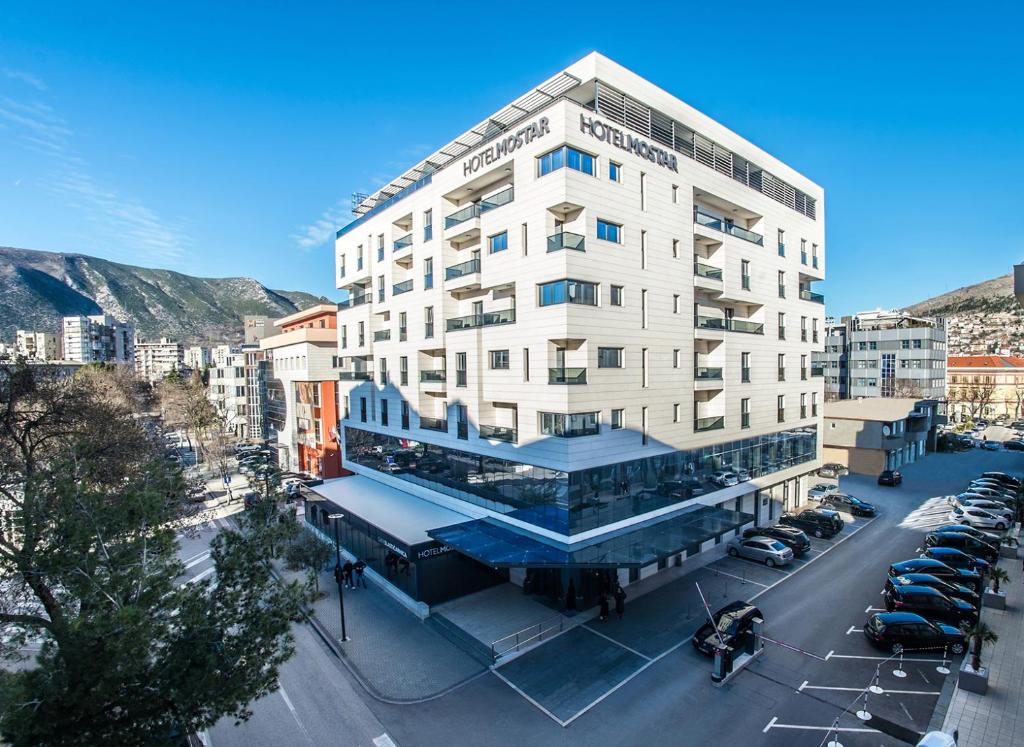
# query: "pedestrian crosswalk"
932 513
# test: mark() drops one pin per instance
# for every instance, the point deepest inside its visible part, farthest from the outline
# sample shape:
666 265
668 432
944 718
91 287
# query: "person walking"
620 600
604 607
359 567
346 572
391 563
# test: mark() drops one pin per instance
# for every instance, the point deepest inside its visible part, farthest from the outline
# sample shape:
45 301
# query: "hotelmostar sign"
506 145
637 146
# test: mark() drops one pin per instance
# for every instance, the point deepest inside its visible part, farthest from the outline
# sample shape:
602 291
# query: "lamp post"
335 518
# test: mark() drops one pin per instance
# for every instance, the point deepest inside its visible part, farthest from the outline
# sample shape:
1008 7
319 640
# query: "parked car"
732 621
950 588
963 542
250 499
817 521
994 494
821 489
833 470
896 631
990 445
742 474
977 517
973 500
724 478
931 604
792 538
765 550
678 489
981 424
892 477
989 537
848 503
936 568
1008 480
1017 424
988 482
956 558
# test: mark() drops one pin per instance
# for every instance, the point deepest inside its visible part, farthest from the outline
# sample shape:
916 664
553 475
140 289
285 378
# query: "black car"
1008 480
931 604
936 568
817 521
956 559
1014 445
847 503
792 538
891 477
896 631
733 620
963 542
949 587
976 533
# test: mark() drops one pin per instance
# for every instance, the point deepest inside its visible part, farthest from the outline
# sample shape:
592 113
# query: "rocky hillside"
988 296
38 288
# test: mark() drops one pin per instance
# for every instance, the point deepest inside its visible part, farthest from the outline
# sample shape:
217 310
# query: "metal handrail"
521 638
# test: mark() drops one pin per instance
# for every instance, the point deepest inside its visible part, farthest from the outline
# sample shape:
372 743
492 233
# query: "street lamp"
337 571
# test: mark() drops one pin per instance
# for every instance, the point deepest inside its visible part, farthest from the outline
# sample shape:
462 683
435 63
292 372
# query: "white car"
822 489
724 478
978 518
967 500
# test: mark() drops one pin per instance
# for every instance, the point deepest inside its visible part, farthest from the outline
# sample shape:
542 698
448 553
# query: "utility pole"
335 518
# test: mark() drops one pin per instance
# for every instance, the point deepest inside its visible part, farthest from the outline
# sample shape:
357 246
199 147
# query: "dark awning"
497 545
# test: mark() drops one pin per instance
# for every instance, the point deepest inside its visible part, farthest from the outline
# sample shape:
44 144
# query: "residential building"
883 354
197 358
302 383
255 390
154 360
219 354
227 392
986 386
36 346
566 326
97 338
255 328
871 434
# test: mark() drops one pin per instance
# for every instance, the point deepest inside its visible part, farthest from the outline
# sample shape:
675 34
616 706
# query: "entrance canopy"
500 546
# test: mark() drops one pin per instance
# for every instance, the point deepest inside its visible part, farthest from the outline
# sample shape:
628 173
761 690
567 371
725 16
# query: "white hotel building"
564 325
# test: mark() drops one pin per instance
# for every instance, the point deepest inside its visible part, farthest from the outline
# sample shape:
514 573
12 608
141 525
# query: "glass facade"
572 502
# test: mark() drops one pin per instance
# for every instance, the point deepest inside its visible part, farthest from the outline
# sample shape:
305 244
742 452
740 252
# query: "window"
523 240
905 344
383 412
403 370
745 368
677 357
499 359
814 255
675 248
609 357
344 335
782 243
428 225
675 303
362 409
803 251
362 334
526 364
745 274
745 412
872 345
643 425
782 326
615 295
803 405
498 242
643 368
405 415
428 274
341 266
803 368
615 171
643 191
782 366
609 231
618 419
566 156
781 407
382 370
675 412
569 426
918 344
461 422
782 284
568 291
460 369
675 194
643 309
403 327
803 329
643 250
428 322
380 288
814 330
359 257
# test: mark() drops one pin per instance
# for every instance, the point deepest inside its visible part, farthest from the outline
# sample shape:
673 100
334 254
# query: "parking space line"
770 725
871 609
617 643
738 578
509 682
852 628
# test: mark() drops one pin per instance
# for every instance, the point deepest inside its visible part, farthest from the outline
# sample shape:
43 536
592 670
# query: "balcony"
487 319
817 371
462 269
709 424
566 240
402 243
434 377
807 295
707 374
567 376
477 209
399 288
729 325
355 376
354 300
707 271
705 219
499 433
381 335
433 424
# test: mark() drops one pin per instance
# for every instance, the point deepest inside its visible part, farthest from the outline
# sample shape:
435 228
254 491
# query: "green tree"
997 576
978 636
310 554
89 566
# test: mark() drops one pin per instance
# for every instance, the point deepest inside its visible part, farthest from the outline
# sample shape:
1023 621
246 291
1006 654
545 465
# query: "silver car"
766 550
822 489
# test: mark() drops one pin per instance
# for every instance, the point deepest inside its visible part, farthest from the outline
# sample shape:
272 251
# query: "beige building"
869 435
985 386
37 346
154 360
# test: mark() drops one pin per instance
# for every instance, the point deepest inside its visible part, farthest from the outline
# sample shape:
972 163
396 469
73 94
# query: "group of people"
620 602
350 575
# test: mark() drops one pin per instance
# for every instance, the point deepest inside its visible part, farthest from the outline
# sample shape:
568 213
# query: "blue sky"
226 138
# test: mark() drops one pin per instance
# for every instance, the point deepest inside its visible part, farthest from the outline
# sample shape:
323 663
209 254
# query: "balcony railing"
705 219
382 334
707 374
433 424
730 325
403 242
567 376
404 287
707 271
499 433
709 424
487 319
355 300
475 210
355 375
434 376
566 240
709 322
459 270
809 296
817 370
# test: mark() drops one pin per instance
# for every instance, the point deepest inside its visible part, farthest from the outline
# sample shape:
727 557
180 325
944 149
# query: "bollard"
899 671
875 687
834 732
864 714
942 668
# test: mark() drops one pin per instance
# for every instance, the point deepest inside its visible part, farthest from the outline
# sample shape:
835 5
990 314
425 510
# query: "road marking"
197 559
739 578
770 725
384 741
861 689
876 658
200 575
869 610
555 718
829 655
295 715
852 628
802 686
204 737
775 725
617 643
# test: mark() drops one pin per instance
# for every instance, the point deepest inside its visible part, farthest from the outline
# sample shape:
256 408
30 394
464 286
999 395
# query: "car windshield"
776 545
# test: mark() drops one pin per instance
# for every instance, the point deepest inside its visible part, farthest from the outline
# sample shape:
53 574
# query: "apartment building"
255 390
219 354
36 346
154 360
197 357
227 392
584 326
97 338
883 354
302 391
986 386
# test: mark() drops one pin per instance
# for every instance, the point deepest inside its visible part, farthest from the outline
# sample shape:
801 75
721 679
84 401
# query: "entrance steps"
474 648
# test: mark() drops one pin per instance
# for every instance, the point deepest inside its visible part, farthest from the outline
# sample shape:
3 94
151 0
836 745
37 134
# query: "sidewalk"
998 717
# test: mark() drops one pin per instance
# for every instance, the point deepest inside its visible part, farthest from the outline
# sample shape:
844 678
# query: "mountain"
38 288
988 296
